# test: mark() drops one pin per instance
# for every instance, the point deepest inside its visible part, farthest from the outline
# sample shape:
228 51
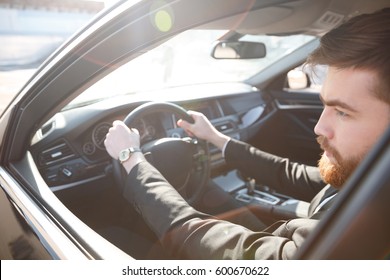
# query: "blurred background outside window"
30 30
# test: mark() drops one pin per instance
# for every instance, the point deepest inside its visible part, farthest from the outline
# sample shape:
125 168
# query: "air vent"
46 128
224 127
329 20
59 152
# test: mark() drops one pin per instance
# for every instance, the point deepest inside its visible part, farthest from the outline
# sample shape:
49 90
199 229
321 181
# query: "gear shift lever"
250 185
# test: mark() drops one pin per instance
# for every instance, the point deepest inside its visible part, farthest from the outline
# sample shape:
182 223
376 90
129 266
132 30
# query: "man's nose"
323 126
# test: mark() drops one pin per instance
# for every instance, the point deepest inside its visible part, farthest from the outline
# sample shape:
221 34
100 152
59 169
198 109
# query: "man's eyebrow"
338 103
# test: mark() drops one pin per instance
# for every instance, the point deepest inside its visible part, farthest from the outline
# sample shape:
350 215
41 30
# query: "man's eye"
341 113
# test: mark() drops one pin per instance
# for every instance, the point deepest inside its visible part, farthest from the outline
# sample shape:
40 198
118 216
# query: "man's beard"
335 174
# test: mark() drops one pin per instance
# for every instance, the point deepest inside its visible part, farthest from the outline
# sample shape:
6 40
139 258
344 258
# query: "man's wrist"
224 147
133 161
220 140
126 154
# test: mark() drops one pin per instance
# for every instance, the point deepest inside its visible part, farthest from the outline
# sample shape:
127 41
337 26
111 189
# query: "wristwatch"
125 154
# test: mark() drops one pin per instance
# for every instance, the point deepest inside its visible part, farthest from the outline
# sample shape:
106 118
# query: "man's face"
352 121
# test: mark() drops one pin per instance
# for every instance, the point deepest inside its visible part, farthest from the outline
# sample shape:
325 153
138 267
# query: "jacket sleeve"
290 178
186 233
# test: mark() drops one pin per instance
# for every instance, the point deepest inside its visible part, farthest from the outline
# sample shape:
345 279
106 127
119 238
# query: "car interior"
66 162
75 165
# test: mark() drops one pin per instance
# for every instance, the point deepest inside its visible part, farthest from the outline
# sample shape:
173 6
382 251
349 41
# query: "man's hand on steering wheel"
203 129
183 162
121 137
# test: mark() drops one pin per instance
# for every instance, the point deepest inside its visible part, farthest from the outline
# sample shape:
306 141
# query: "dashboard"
69 148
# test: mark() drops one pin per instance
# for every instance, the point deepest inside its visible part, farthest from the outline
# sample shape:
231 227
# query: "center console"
249 193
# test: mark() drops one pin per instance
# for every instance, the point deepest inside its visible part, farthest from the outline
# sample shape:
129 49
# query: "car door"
290 132
18 242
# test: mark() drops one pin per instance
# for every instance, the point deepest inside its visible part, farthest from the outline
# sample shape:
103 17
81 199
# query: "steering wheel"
184 162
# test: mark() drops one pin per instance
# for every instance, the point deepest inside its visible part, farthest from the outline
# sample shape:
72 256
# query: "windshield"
186 60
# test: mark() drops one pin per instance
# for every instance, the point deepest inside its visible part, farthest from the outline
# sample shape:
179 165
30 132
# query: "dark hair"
363 42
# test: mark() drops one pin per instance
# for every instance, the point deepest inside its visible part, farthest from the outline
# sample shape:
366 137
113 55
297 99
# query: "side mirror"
238 50
297 79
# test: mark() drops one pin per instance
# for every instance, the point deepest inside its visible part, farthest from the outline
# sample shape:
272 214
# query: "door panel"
291 132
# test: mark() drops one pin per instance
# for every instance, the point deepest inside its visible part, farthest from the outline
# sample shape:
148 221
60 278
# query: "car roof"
314 17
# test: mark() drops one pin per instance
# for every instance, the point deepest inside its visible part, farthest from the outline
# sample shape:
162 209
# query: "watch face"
124 155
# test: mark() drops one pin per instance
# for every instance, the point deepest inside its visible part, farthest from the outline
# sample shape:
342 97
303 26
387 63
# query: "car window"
29 33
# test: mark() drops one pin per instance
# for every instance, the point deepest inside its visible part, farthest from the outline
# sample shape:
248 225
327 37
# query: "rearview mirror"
238 50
